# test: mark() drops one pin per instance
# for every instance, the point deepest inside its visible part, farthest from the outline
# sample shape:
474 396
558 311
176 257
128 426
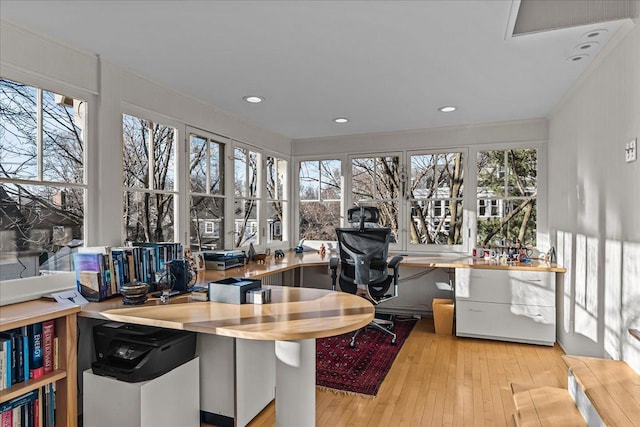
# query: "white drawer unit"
507 305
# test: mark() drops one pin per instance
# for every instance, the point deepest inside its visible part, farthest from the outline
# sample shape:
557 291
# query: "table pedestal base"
296 383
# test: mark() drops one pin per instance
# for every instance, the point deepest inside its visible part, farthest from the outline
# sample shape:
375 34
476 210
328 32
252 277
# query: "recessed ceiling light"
447 109
341 120
593 34
586 46
253 99
577 58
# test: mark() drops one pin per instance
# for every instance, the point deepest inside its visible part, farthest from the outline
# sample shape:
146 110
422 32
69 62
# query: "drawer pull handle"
475 310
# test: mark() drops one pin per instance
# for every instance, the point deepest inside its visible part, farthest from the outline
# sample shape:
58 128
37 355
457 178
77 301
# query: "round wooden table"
294 318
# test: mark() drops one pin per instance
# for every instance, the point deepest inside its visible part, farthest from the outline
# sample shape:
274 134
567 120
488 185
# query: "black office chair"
363 257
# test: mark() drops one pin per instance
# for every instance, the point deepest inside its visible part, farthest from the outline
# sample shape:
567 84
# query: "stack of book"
102 271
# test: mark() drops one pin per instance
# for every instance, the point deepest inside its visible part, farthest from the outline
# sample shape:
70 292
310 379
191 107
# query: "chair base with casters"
375 292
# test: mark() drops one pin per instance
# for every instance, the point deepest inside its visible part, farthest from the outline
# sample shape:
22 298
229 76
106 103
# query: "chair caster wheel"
393 341
352 345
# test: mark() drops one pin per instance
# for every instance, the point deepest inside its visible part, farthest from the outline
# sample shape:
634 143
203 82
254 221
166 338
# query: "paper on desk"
67 297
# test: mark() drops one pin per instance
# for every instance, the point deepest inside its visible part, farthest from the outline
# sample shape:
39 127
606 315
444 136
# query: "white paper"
69 297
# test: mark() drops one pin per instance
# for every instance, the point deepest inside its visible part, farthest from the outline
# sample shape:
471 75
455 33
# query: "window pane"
276 178
309 180
275 221
63 122
18 130
363 179
246 172
207 225
246 222
163 159
198 164
513 220
491 173
216 167
436 204
522 172
36 222
330 180
135 134
436 222
148 217
318 220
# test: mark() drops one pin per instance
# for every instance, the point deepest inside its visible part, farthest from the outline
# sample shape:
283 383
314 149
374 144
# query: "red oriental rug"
362 369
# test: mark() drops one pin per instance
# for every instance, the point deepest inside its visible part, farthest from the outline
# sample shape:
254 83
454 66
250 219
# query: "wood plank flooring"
441 380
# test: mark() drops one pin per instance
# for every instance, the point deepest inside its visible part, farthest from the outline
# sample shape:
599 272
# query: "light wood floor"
442 381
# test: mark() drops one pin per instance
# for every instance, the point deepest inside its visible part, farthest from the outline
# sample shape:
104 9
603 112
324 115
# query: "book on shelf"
36 366
48 332
56 361
9 345
5 344
19 401
2 368
91 276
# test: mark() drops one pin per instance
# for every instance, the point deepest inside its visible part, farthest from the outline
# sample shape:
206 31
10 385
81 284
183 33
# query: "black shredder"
134 353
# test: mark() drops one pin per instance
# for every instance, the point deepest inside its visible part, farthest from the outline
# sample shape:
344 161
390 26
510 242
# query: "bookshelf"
30 312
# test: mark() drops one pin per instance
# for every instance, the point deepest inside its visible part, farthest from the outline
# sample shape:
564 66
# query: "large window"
320 199
247 202
375 181
148 179
507 192
42 178
435 196
276 199
206 172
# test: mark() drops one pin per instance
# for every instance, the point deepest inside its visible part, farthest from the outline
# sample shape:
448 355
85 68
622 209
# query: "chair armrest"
395 261
333 267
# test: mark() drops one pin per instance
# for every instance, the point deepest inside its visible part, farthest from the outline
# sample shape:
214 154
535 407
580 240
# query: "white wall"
37 60
594 204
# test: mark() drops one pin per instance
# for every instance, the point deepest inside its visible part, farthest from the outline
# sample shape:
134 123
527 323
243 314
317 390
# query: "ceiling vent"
543 15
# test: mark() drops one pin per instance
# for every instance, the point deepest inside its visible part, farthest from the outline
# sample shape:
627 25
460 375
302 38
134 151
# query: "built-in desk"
293 320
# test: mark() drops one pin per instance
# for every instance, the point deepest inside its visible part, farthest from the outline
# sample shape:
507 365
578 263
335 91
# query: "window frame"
464 233
400 233
89 164
543 236
284 198
222 195
296 190
180 211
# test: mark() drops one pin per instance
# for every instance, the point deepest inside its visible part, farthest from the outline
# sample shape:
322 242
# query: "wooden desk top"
292 260
292 314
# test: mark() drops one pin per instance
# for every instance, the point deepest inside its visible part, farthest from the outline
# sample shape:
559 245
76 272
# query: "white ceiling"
386 65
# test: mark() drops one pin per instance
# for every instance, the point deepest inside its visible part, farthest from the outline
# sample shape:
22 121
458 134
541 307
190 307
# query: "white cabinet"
507 305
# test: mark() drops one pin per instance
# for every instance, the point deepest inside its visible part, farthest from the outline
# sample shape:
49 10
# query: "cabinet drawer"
509 322
506 286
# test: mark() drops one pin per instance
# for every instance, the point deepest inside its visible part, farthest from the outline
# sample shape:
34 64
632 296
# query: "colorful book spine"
36 362
9 360
3 384
48 332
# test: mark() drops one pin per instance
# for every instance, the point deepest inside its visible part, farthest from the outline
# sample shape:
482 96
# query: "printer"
223 260
134 353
